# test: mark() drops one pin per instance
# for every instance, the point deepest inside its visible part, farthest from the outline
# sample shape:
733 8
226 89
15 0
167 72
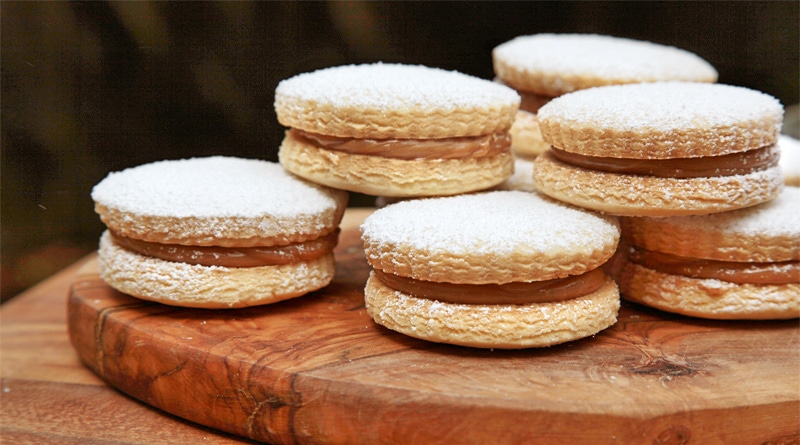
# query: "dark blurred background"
93 87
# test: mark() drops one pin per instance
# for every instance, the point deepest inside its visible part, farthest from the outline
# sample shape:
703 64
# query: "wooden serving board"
316 369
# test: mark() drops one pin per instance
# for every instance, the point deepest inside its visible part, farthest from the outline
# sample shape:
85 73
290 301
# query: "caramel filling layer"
783 272
232 256
445 148
702 167
510 293
531 102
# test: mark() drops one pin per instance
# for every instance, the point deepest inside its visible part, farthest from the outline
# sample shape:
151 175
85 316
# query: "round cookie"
396 130
661 149
216 232
743 264
544 66
790 160
551 65
500 269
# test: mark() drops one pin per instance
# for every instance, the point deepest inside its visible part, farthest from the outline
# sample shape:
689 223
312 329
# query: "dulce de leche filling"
509 293
702 167
444 148
232 256
783 272
531 102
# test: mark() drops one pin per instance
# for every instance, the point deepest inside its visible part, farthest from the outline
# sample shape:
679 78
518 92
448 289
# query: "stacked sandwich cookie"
743 264
661 149
603 127
790 160
545 66
693 170
216 232
500 269
396 130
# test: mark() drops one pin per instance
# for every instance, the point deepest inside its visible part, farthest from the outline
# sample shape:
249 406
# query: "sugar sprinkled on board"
383 86
492 222
214 186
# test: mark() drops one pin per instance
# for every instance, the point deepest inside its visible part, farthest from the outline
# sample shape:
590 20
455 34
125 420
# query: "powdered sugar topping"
492 223
611 59
400 87
212 187
663 106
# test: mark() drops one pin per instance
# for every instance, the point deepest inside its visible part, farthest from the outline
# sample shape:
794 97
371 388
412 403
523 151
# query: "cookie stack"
693 171
542 67
645 170
621 128
457 264
396 130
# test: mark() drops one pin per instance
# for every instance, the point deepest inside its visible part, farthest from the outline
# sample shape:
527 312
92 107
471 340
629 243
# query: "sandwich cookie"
396 130
743 264
790 160
661 149
216 232
544 66
499 269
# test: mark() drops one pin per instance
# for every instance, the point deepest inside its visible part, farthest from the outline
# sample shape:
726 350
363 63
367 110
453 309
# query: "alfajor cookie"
216 232
743 264
396 130
790 160
661 149
500 269
541 67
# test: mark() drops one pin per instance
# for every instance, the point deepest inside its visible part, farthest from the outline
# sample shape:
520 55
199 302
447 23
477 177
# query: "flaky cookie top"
218 201
767 232
382 101
661 120
489 237
556 64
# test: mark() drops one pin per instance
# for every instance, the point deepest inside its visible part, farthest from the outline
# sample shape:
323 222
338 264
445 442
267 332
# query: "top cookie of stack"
661 148
396 130
544 66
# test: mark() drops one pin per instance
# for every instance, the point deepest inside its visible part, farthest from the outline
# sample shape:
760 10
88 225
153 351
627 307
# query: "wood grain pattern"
49 397
318 370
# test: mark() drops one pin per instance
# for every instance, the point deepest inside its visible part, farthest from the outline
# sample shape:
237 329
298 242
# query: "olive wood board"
317 369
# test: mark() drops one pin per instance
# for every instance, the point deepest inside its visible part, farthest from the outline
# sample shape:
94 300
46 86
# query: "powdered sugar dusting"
394 86
606 57
663 106
212 187
790 157
491 223
779 217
